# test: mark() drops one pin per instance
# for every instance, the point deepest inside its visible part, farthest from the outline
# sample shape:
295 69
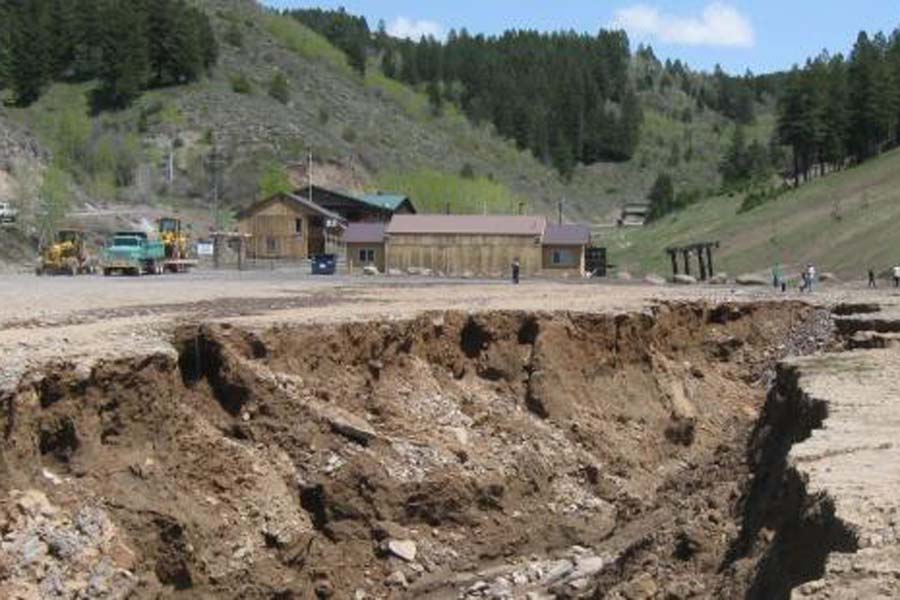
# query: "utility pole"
309 163
213 162
559 208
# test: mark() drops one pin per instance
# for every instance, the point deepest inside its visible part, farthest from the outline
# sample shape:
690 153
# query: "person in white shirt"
897 276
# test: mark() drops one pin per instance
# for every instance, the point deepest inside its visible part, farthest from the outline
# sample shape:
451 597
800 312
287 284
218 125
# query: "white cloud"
402 27
718 25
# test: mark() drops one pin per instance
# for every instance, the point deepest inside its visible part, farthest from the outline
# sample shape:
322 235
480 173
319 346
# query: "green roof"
390 202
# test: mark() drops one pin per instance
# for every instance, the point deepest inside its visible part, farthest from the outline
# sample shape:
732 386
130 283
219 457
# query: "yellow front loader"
67 255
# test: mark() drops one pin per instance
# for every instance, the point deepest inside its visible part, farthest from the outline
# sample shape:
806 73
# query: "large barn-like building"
468 245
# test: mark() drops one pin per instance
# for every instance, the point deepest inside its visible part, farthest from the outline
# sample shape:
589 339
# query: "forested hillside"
202 110
128 46
838 110
569 98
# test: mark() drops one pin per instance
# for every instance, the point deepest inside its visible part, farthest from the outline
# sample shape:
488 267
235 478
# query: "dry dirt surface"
268 435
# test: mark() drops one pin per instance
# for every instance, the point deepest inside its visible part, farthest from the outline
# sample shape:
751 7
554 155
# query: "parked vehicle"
177 243
134 253
324 264
67 255
8 214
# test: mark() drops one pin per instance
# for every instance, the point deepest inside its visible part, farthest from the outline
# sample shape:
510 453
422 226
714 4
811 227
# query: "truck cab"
133 252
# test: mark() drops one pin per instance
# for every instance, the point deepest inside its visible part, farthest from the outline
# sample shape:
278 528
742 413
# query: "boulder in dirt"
623 276
371 270
682 279
349 425
826 277
394 273
654 280
641 587
751 279
397 579
404 549
720 279
413 270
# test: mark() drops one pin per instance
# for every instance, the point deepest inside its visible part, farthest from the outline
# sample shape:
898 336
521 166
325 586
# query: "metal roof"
364 233
567 235
467 224
389 202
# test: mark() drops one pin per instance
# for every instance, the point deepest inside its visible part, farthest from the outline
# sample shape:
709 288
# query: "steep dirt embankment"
484 455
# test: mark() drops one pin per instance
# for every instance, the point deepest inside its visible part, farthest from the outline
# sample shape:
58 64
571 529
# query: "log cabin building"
290 227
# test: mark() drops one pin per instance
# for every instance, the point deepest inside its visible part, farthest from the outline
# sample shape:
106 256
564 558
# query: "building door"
316 235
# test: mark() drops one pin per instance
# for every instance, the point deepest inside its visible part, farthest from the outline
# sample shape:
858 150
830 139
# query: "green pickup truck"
133 252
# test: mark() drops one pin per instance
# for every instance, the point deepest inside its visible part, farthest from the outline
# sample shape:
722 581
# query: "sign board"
204 249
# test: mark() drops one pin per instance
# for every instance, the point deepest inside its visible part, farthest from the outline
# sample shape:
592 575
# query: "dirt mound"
487 455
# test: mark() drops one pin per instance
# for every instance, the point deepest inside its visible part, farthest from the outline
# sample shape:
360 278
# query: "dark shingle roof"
567 235
364 233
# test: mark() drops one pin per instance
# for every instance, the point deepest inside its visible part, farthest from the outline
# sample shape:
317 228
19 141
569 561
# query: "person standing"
516 267
811 277
897 276
872 284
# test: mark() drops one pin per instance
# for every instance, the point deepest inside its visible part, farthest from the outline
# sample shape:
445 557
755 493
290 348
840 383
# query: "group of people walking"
808 279
895 276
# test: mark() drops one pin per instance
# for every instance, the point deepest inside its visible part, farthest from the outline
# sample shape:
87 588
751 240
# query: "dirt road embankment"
494 454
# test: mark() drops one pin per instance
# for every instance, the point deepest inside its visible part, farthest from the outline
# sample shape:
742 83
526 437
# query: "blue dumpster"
324 264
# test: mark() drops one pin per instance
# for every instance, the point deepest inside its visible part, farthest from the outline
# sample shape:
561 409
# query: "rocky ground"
271 436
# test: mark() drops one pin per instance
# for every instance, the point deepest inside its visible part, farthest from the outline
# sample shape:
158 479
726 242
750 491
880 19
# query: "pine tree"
735 165
661 197
28 62
61 37
125 67
6 18
435 98
632 119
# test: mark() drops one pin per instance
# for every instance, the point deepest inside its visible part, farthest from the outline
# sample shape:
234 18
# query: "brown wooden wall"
353 262
458 254
274 234
573 267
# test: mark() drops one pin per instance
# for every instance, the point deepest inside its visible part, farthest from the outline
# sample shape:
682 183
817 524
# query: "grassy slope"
845 223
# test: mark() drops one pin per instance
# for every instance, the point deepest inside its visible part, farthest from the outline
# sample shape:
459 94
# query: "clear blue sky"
762 35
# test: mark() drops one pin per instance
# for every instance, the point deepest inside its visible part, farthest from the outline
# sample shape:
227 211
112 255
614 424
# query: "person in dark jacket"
515 271
872 283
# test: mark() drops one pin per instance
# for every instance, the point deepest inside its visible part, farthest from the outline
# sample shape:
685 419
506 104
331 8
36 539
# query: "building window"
298 226
271 245
562 258
366 255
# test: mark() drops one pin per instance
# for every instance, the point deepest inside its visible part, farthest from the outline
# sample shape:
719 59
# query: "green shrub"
240 84
279 88
349 134
234 35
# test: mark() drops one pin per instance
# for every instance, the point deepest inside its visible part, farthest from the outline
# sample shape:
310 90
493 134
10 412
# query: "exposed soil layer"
454 455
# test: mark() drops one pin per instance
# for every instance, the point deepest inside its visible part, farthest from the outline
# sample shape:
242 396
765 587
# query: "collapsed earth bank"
497 455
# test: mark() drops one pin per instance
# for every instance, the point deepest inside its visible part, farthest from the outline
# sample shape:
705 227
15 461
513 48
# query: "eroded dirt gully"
500 455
